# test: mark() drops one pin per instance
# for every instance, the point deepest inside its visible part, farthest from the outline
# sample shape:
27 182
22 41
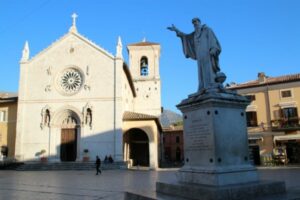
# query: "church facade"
77 100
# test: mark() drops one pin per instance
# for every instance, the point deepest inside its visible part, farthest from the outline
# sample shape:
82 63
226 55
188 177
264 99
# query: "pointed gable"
73 36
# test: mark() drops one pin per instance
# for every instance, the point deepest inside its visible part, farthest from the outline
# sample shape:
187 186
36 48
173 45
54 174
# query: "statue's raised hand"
172 28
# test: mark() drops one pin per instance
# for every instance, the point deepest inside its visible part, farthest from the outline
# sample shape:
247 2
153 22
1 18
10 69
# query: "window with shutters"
2 116
251 119
290 116
177 139
286 93
251 97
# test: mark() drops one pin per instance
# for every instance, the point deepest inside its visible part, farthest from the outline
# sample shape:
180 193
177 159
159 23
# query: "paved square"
110 185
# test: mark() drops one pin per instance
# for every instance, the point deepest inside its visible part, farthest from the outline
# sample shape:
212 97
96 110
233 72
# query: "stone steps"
57 166
10 165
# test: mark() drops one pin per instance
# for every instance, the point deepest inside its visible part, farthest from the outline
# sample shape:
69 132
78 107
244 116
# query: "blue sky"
255 35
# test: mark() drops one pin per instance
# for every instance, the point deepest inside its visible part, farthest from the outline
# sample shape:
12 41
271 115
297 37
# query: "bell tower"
144 67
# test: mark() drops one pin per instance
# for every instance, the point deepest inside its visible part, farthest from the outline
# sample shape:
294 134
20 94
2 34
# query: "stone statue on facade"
46 117
202 45
88 119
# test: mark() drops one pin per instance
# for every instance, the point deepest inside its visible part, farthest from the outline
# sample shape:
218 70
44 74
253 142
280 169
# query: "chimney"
261 77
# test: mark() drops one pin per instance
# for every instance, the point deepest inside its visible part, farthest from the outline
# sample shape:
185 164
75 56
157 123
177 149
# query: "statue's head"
196 21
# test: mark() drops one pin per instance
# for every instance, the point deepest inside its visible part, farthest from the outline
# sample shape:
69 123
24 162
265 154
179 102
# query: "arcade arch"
136 147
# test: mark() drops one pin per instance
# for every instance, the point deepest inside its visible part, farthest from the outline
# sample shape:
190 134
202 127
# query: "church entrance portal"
68 147
138 143
69 134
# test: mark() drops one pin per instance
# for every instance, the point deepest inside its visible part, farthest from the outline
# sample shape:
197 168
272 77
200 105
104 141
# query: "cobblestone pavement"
110 185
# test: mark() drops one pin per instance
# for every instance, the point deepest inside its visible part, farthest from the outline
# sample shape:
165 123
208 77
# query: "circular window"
70 81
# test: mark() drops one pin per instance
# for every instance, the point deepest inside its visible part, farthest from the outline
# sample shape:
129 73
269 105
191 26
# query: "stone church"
78 100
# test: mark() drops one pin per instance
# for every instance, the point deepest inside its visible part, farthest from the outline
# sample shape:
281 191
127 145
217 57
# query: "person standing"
110 159
98 164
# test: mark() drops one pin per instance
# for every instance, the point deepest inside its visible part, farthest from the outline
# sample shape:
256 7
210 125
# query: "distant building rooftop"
266 80
133 116
144 43
127 116
173 128
7 97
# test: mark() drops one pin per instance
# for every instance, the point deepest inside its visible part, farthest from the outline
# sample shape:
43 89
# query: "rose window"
71 81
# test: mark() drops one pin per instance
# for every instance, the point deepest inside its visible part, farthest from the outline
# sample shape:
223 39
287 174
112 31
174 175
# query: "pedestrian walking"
98 164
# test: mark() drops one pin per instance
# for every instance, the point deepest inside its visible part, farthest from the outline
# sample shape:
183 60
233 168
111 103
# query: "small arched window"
144 66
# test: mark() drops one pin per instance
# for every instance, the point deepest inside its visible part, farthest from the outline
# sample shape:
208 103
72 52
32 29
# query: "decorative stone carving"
87 87
88 118
46 117
49 73
49 70
88 115
70 81
72 50
69 122
87 70
48 88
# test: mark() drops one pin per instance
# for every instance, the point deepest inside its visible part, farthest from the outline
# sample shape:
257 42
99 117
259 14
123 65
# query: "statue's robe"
197 45
206 35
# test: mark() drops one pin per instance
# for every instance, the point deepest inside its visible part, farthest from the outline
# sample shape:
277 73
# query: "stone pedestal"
251 191
215 145
215 140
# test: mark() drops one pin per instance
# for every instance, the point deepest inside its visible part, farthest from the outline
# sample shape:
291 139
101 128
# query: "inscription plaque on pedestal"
198 135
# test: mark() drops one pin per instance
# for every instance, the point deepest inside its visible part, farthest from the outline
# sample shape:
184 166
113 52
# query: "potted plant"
43 155
86 156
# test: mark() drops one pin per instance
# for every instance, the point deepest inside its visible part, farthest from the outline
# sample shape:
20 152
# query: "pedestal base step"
249 191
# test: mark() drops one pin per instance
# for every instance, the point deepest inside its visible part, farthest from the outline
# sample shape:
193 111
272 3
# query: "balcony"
286 124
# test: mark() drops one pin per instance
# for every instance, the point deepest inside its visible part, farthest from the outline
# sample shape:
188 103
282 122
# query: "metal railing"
282 124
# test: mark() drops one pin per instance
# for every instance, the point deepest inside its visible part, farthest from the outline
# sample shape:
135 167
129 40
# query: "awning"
289 104
287 137
251 108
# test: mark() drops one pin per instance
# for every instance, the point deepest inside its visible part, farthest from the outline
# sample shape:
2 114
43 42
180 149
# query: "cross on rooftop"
74 16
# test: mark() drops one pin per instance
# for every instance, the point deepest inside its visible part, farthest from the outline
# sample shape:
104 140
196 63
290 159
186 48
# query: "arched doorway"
69 133
68 147
136 144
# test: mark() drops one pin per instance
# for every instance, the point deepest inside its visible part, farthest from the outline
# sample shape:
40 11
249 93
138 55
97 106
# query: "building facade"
273 117
8 120
75 97
173 145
